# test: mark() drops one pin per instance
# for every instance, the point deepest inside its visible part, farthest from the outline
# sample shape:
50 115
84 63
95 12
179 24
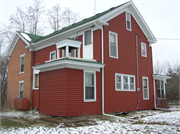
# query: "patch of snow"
26 36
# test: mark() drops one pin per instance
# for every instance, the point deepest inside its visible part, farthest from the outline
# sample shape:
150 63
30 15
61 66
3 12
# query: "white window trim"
147 87
163 89
23 55
90 100
116 44
35 72
118 74
142 43
91 37
51 53
19 86
130 22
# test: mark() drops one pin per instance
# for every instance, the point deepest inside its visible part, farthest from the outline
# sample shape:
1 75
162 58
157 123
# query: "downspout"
102 52
138 89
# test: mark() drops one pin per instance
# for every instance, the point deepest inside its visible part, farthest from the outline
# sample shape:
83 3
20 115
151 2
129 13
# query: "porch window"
90 86
87 38
22 63
36 81
72 53
21 87
113 45
128 21
143 49
52 55
145 88
124 82
160 89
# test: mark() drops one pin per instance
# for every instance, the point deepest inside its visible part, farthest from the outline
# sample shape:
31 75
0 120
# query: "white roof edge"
158 76
13 43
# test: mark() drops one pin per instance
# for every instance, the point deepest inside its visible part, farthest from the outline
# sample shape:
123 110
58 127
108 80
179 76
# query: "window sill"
143 56
35 88
126 90
21 72
146 99
113 57
90 100
128 29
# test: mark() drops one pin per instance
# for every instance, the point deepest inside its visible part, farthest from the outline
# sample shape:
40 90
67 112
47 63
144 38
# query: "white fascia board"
27 43
69 64
68 42
160 77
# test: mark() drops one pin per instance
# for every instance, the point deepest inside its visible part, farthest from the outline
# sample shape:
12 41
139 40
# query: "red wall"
35 99
116 101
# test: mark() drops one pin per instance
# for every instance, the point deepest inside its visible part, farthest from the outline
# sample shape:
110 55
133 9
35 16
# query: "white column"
78 52
164 82
67 51
58 53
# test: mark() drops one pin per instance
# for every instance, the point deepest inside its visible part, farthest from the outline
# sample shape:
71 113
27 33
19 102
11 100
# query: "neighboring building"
102 64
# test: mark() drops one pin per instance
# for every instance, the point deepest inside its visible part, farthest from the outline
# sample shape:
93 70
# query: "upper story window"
89 86
160 89
145 88
128 21
52 55
87 38
143 49
124 82
113 45
21 87
22 63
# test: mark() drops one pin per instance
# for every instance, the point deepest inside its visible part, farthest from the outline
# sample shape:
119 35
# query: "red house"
102 64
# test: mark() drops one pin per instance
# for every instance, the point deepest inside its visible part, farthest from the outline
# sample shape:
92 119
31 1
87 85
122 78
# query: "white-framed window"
124 82
88 37
21 88
89 86
52 55
160 89
128 21
36 79
113 45
22 63
143 49
72 53
145 84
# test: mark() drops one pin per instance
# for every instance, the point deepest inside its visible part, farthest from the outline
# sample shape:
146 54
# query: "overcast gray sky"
162 17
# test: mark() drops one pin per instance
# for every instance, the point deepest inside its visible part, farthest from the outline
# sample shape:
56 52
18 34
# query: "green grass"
5 123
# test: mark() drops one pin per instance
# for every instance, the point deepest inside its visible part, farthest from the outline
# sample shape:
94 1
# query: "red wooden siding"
75 95
52 93
42 55
35 99
116 101
97 45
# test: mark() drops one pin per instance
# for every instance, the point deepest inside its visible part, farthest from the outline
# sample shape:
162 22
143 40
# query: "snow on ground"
151 121
20 114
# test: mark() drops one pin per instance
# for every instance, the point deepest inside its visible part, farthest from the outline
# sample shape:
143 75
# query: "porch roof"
160 77
69 62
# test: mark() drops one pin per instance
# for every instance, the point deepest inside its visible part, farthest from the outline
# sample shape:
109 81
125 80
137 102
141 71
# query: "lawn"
147 121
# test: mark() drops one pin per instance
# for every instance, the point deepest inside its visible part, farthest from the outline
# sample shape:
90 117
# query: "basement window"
89 86
124 82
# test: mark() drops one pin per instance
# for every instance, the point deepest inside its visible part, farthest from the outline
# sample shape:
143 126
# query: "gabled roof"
102 18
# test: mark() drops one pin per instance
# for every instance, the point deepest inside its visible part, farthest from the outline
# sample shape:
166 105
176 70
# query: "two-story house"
102 64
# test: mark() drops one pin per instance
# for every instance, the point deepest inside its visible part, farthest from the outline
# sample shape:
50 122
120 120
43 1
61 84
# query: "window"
87 38
124 82
160 89
21 86
143 49
36 79
22 63
89 86
145 88
52 55
128 21
113 45
72 53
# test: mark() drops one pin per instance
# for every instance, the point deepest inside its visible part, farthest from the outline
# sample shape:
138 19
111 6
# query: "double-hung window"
87 37
89 86
143 49
124 82
21 87
160 89
128 21
113 45
36 79
22 63
145 88
52 55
